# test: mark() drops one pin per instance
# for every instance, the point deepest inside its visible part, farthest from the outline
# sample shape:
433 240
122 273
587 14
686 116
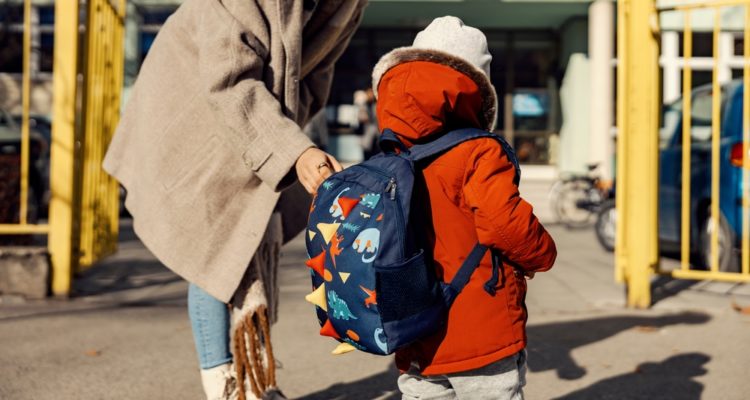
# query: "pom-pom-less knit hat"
449 42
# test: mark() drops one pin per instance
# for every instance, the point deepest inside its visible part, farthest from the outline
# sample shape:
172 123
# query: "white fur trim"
254 298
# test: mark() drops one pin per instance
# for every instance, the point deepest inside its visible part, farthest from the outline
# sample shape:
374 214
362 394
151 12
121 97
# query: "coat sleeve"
316 84
503 220
232 61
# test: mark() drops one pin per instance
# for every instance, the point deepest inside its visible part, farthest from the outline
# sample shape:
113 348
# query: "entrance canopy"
504 14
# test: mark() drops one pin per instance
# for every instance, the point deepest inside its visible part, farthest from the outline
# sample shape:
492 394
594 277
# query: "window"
701 117
11 38
147 39
670 120
702 108
702 44
739 45
530 109
46 38
153 19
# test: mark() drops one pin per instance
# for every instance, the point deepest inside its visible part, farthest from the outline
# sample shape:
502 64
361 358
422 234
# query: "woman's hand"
314 166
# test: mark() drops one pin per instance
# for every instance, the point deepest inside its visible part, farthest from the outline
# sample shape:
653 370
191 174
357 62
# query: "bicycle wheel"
567 203
606 225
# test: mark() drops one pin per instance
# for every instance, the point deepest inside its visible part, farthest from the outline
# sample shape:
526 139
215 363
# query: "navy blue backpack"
373 288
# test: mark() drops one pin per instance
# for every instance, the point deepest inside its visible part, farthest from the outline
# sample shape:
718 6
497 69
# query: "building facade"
553 64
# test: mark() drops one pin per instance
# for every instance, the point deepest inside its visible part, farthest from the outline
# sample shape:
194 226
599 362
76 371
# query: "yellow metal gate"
639 110
87 83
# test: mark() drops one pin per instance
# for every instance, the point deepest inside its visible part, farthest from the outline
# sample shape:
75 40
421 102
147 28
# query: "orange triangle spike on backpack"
347 204
329 330
318 263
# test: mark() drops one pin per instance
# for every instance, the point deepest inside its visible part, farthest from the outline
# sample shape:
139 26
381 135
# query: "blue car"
730 193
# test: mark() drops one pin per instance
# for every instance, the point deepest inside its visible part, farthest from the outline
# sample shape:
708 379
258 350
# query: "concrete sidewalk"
126 335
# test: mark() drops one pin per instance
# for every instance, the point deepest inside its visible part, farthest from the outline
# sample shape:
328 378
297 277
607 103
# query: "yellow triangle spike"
328 230
344 276
318 297
311 234
343 348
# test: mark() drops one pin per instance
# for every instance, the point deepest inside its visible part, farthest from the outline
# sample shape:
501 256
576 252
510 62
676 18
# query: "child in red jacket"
441 83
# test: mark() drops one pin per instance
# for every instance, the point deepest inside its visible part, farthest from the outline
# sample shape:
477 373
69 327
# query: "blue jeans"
209 319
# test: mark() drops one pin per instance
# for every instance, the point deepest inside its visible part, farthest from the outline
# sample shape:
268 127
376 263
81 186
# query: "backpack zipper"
391 190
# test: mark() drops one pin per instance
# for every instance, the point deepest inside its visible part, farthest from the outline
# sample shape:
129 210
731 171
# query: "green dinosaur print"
370 200
339 307
350 227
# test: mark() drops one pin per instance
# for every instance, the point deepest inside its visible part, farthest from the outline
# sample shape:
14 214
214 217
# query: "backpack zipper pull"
391 188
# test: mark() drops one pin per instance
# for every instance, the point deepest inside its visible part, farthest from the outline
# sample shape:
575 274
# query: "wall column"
726 53
601 106
671 62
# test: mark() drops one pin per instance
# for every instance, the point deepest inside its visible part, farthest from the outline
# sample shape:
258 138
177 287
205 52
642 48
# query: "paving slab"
125 335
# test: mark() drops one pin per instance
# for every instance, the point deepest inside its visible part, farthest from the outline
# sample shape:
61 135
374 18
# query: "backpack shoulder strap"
446 142
456 137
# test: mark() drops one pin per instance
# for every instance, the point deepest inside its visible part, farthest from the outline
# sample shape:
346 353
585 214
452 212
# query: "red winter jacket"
472 198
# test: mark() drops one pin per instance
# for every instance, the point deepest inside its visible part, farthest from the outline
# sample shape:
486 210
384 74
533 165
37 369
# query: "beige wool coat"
210 135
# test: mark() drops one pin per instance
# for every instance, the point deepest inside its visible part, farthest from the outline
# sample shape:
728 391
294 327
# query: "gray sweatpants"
502 380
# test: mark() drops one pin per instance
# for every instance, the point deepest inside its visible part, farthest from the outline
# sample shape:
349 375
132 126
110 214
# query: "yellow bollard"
638 148
63 202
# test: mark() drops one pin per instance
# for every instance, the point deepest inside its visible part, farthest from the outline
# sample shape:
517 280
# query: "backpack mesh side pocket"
406 289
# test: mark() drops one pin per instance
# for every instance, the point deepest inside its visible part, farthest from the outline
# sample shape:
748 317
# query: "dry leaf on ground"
740 309
646 328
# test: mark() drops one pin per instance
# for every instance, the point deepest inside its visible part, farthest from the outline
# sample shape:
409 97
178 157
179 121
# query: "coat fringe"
254 309
253 354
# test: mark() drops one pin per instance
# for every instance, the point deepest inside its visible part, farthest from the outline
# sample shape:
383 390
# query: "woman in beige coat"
207 148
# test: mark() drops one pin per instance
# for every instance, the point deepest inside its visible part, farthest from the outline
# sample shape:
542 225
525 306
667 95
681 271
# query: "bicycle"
606 224
576 199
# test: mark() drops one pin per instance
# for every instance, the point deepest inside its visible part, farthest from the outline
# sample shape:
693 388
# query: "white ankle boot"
219 383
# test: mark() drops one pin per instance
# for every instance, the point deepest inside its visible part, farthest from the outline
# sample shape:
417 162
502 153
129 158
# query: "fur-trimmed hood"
410 54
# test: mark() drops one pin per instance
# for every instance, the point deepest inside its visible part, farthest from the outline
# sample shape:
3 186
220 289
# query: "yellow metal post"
639 185
114 186
63 148
26 104
621 164
687 105
715 139
92 100
746 147
101 107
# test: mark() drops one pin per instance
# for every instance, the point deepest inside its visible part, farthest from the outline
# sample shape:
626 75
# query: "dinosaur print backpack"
374 290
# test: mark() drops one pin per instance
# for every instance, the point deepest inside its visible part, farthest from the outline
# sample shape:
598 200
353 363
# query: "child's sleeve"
502 218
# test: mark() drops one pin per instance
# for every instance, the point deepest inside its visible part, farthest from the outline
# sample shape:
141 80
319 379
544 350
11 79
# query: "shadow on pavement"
120 275
550 345
669 379
381 386
124 273
126 232
58 309
665 287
